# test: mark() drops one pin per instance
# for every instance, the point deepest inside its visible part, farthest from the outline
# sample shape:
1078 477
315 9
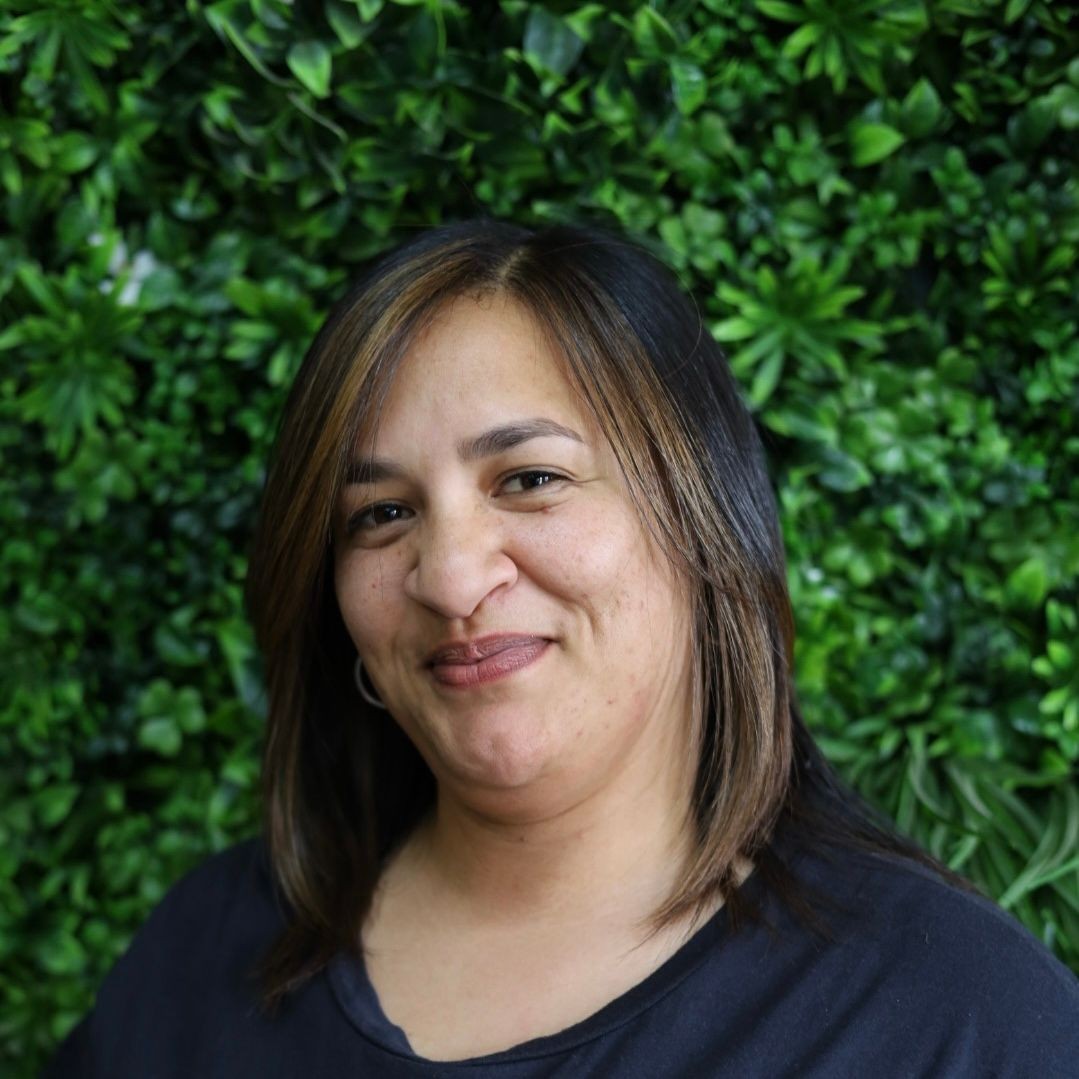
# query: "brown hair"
342 787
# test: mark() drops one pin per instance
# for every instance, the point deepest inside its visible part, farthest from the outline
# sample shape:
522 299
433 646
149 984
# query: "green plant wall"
874 203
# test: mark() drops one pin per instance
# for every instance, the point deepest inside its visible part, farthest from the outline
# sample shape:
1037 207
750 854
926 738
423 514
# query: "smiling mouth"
474 663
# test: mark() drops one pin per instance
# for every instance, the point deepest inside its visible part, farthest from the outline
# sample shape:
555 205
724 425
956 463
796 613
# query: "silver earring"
367 694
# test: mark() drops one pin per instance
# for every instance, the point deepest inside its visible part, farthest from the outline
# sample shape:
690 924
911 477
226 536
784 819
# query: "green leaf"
1031 127
653 34
162 735
1015 10
74 151
248 296
778 9
217 15
581 20
689 85
766 378
1060 655
1056 700
54 803
921 109
734 329
549 41
871 143
41 288
346 23
800 40
843 472
86 78
1066 101
61 953
1028 583
1058 839
311 63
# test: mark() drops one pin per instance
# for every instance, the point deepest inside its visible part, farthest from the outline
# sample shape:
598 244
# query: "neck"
614 854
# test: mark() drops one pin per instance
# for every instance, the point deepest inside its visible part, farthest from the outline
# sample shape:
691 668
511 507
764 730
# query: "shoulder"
897 900
943 964
237 874
228 886
188 961
187 971
223 908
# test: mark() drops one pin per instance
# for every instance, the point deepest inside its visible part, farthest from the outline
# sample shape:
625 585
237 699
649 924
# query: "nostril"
453 576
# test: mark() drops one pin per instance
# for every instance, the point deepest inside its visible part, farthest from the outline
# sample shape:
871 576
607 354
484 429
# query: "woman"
539 800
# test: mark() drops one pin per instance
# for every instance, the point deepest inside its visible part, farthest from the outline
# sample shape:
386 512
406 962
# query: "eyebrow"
490 443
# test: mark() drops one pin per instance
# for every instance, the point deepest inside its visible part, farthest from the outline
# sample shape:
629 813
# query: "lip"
485 659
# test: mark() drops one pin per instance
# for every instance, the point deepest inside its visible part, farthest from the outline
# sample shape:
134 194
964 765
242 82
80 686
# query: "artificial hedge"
874 204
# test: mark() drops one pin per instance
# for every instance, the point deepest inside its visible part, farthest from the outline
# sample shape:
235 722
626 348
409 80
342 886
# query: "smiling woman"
483 541
539 797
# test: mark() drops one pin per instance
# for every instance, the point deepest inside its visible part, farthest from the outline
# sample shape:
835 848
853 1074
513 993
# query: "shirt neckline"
359 1001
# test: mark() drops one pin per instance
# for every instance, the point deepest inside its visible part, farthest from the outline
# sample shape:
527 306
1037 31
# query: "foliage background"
874 203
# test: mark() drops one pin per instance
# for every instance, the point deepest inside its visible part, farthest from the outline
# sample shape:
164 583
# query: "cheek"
369 588
597 562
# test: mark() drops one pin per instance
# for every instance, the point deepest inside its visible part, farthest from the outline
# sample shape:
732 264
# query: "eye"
372 517
529 480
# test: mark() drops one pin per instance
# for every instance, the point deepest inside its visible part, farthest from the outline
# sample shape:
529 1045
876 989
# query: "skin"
521 905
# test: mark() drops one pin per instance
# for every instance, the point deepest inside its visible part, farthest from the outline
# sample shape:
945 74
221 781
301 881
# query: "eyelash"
354 522
533 472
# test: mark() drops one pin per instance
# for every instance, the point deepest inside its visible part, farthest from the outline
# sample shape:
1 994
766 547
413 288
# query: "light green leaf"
54 803
653 33
1060 655
61 953
800 40
766 378
346 23
249 297
871 143
74 151
1028 584
311 63
161 734
733 329
1015 10
777 9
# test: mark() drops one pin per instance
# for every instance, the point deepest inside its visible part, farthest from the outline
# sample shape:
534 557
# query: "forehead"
480 361
491 332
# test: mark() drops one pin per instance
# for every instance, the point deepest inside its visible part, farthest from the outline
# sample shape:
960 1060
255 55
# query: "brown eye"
529 480
372 517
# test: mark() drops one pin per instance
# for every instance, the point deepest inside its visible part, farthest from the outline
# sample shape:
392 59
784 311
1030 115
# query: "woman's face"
509 605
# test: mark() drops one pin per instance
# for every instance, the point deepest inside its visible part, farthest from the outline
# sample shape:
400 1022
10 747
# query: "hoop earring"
367 694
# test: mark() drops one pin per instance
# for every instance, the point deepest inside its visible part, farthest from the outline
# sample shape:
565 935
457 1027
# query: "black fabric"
921 980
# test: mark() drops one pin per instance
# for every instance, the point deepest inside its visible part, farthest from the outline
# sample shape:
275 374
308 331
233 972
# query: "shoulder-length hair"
342 785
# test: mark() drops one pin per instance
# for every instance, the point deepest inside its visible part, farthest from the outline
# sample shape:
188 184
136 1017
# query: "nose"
460 561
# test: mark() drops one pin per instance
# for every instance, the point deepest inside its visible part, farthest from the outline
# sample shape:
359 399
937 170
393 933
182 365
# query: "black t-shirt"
920 980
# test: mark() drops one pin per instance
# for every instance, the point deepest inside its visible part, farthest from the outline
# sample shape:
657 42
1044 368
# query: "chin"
506 762
499 761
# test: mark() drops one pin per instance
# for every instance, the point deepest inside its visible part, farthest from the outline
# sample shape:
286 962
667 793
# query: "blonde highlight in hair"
342 787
